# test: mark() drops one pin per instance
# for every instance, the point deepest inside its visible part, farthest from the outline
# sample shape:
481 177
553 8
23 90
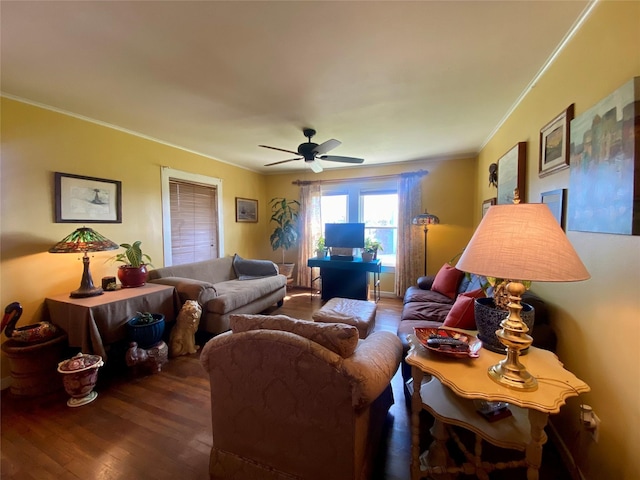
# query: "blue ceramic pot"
146 334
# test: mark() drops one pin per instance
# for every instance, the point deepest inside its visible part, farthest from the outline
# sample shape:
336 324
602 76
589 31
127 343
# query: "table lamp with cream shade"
520 242
83 240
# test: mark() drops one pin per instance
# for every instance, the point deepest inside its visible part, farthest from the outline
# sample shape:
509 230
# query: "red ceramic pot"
132 276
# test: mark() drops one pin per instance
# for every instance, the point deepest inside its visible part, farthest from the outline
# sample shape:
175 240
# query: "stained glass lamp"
84 240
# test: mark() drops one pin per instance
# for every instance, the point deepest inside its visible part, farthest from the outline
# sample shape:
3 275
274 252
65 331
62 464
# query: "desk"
93 322
347 279
449 397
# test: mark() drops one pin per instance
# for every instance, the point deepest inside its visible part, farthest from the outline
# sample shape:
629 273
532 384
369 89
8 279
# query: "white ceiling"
394 81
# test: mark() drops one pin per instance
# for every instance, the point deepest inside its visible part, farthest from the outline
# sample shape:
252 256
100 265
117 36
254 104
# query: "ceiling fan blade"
283 161
315 166
279 149
326 146
334 158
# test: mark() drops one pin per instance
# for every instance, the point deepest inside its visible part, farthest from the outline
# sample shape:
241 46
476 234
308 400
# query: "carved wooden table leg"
438 455
416 408
533 457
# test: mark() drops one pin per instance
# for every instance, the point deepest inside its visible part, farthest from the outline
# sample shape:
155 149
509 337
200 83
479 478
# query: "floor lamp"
425 219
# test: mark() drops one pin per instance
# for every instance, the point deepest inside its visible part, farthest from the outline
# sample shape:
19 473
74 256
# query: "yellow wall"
596 320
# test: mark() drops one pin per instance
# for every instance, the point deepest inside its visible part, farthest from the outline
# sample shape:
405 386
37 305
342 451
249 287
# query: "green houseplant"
321 249
284 213
371 248
134 271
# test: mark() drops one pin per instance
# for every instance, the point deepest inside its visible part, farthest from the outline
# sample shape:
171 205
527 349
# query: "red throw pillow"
447 280
461 314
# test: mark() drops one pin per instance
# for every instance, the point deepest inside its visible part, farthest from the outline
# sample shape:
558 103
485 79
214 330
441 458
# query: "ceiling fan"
312 152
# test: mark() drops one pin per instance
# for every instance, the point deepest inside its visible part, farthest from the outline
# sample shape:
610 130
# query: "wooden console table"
94 322
449 398
347 279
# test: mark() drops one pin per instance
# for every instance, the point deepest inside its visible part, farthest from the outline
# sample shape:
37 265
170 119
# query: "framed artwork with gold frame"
246 210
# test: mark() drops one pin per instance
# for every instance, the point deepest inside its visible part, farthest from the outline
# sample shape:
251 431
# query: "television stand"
347 279
342 258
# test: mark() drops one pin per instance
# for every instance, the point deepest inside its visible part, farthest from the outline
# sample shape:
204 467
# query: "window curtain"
410 258
310 223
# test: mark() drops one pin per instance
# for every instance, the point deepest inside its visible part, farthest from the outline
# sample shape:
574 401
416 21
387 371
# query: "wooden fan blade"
279 149
283 161
333 158
326 146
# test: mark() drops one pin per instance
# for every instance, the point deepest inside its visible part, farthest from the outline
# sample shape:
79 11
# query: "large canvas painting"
604 175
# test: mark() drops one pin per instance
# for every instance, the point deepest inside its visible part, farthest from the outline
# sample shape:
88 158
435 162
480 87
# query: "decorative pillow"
337 337
446 281
249 269
462 314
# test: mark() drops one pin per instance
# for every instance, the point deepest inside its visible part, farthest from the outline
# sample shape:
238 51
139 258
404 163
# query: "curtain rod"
419 173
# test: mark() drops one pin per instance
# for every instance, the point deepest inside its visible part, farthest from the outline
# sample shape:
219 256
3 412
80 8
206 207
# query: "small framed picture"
511 171
246 210
554 143
486 204
80 199
556 201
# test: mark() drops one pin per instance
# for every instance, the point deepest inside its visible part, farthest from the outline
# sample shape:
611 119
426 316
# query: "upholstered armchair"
293 399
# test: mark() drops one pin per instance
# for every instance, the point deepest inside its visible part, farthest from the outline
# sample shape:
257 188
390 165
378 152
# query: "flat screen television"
344 235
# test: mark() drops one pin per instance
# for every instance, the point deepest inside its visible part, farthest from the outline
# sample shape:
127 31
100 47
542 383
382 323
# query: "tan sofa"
293 399
221 290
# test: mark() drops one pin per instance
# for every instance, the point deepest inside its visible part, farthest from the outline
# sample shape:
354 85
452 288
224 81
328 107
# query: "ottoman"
359 313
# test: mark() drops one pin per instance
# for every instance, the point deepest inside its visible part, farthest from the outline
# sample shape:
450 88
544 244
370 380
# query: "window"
191 217
380 217
373 203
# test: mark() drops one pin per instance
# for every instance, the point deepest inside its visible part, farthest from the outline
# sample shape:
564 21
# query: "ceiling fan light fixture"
312 152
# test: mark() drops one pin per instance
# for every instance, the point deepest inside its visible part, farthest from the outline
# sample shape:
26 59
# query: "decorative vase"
488 319
146 335
286 269
131 277
80 374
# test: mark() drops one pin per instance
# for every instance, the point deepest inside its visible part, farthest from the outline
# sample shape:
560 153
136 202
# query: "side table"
449 397
94 322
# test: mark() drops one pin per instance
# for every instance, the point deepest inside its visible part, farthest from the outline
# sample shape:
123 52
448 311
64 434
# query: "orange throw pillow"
462 314
447 280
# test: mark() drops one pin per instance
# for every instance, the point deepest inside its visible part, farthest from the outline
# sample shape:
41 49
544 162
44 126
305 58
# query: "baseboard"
565 454
5 383
388 295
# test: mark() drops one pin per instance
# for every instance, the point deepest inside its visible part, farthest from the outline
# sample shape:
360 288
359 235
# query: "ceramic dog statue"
183 335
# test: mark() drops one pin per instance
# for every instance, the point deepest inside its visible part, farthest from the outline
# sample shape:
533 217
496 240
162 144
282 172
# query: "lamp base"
513 335
516 378
86 292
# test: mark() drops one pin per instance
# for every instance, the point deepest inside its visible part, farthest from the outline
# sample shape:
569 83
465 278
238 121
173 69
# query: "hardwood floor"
159 426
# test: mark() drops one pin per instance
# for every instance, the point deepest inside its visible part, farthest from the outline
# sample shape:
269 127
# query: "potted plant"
134 271
371 248
490 311
284 213
321 249
146 329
